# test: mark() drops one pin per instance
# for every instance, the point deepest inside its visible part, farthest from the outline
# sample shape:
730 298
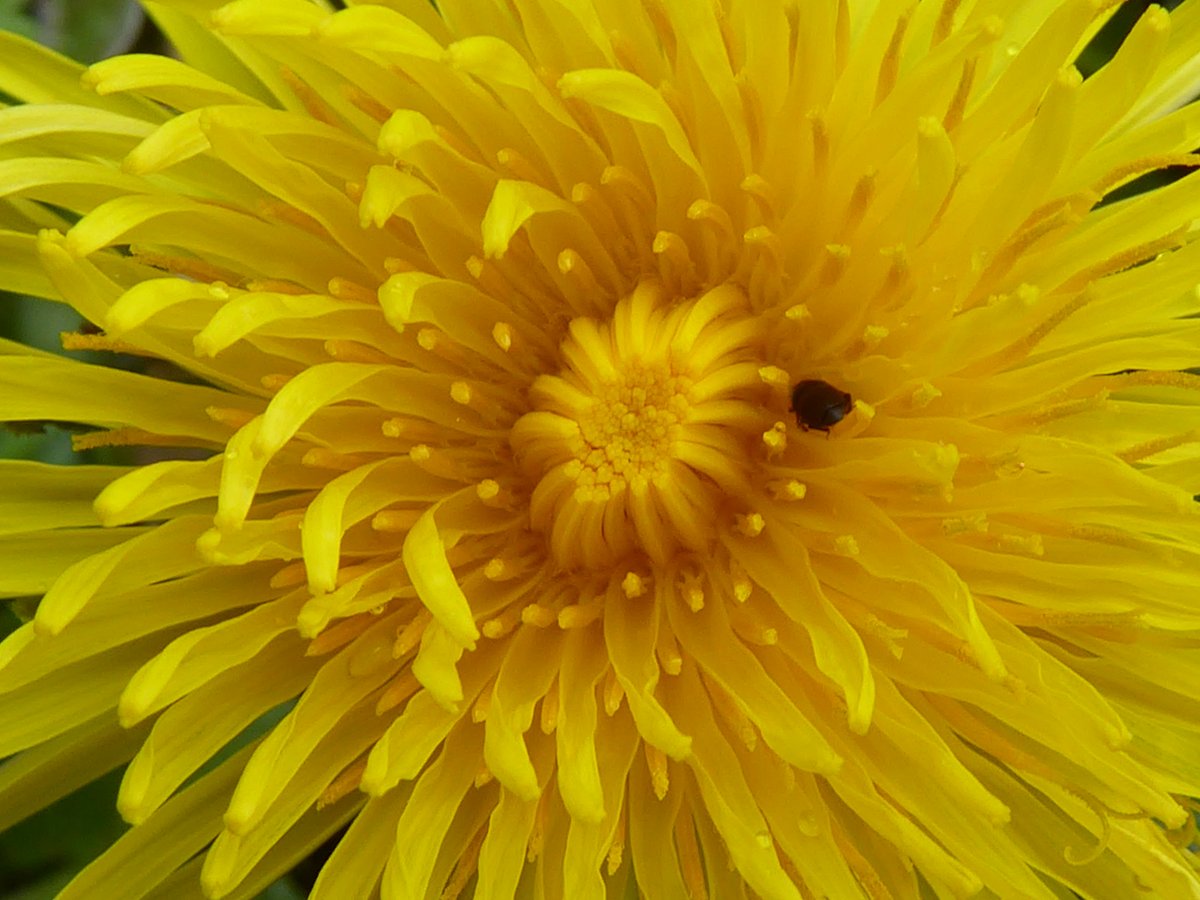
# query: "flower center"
642 439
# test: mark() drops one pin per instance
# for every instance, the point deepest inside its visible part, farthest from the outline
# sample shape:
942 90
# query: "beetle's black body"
819 405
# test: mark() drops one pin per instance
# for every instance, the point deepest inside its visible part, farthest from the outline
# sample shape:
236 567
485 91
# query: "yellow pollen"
837 256
873 335
410 635
460 392
427 338
693 593
73 340
353 351
656 761
775 377
787 490
538 615
669 654
750 525
482 705
675 260
613 693
344 289
579 615
925 394
633 585
498 569
846 545
501 625
775 440
570 263
549 711
518 165
502 334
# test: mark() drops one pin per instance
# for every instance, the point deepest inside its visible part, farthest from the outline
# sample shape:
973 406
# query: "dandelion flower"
470 339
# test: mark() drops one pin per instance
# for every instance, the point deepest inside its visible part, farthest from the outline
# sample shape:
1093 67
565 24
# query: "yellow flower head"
472 438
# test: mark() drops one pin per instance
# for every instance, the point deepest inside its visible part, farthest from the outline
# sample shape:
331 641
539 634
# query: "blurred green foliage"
15 16
90 30
86 30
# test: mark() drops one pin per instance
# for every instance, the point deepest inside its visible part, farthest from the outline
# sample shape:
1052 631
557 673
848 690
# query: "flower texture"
469 339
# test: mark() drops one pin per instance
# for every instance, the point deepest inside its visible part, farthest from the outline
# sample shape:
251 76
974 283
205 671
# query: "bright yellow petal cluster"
460 353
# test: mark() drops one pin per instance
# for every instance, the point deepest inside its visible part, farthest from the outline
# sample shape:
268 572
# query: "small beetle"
819 405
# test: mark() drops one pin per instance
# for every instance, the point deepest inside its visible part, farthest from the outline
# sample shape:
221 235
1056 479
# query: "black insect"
818 405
